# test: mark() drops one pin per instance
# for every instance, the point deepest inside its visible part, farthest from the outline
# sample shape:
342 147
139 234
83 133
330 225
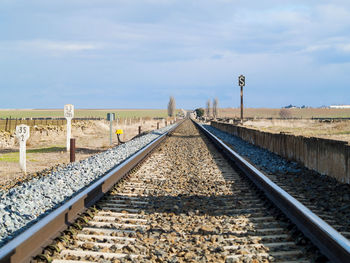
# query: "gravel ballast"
268 161
23 205
323 195
190 204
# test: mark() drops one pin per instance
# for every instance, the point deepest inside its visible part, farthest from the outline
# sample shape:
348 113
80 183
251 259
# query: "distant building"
290 107
339 107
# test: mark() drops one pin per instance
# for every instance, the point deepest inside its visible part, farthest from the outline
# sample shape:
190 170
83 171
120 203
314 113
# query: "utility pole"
241 83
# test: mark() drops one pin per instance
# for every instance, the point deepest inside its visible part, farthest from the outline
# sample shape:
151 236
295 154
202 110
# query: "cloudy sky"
135 54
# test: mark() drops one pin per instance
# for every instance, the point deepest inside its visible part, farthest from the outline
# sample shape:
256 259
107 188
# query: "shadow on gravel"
230 205
184 136
88 151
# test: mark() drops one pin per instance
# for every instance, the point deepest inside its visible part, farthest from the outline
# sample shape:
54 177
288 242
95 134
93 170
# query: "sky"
135 54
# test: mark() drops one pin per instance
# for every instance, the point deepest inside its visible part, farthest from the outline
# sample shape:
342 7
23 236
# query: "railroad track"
188 203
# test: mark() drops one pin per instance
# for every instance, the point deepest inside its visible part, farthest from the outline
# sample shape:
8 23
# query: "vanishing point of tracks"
185 203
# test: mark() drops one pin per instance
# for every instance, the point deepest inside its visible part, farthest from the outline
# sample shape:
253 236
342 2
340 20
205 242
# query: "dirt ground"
46 147
336 130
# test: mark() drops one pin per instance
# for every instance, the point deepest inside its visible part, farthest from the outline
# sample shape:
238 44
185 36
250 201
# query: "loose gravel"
185 203
325 196
268 161
23 205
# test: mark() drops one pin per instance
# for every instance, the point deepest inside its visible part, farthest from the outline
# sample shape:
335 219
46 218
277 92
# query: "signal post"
241 83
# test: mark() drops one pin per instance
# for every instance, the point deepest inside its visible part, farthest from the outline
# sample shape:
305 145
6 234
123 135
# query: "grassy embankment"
14 156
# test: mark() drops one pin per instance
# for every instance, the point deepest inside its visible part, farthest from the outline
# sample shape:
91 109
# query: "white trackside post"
22 133
69 133
69 114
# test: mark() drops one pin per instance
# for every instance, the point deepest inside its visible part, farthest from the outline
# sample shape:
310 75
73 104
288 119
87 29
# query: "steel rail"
330 242
31 242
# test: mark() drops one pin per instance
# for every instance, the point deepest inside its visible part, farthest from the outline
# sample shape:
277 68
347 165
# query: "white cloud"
64 46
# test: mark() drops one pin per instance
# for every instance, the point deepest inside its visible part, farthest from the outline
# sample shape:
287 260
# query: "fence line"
10 124
329 157
326 119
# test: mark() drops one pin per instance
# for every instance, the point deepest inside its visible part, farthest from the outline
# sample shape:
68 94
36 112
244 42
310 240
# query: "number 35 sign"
22 133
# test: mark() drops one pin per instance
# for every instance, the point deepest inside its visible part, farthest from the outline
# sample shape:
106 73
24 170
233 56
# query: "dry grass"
337 130
274 113
82 113
46 145
124 115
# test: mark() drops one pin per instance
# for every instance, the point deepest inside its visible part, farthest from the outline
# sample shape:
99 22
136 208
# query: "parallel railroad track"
188 203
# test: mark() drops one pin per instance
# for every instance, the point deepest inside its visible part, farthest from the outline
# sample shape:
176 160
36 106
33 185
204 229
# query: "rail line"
187 202
31 242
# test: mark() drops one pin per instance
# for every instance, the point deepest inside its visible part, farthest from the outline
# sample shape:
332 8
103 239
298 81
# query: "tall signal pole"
241 83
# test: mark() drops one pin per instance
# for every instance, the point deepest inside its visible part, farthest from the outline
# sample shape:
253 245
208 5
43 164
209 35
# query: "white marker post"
69 114
110 118
22 133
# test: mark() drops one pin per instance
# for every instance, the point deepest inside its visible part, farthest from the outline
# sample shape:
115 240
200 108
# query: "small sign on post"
241 83
119 132
110 118
22 133
69 114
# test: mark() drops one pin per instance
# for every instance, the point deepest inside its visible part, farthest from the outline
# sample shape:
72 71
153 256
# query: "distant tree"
285 113
199 112
171 106
208 108
215 107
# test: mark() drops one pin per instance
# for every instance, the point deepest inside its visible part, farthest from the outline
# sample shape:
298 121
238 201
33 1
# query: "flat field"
81 113
293 113
304 126
335 130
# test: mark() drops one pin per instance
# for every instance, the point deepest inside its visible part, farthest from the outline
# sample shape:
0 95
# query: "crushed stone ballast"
25 204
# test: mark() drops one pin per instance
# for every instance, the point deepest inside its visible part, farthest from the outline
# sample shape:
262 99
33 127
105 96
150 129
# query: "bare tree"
285 113
215 107
208 108
171 106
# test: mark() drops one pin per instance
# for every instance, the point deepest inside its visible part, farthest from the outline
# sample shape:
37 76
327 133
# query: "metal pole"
241 104
110 132
157 125
139 130
72 150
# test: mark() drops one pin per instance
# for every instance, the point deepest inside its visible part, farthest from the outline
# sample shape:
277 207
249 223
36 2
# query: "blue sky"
135 54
